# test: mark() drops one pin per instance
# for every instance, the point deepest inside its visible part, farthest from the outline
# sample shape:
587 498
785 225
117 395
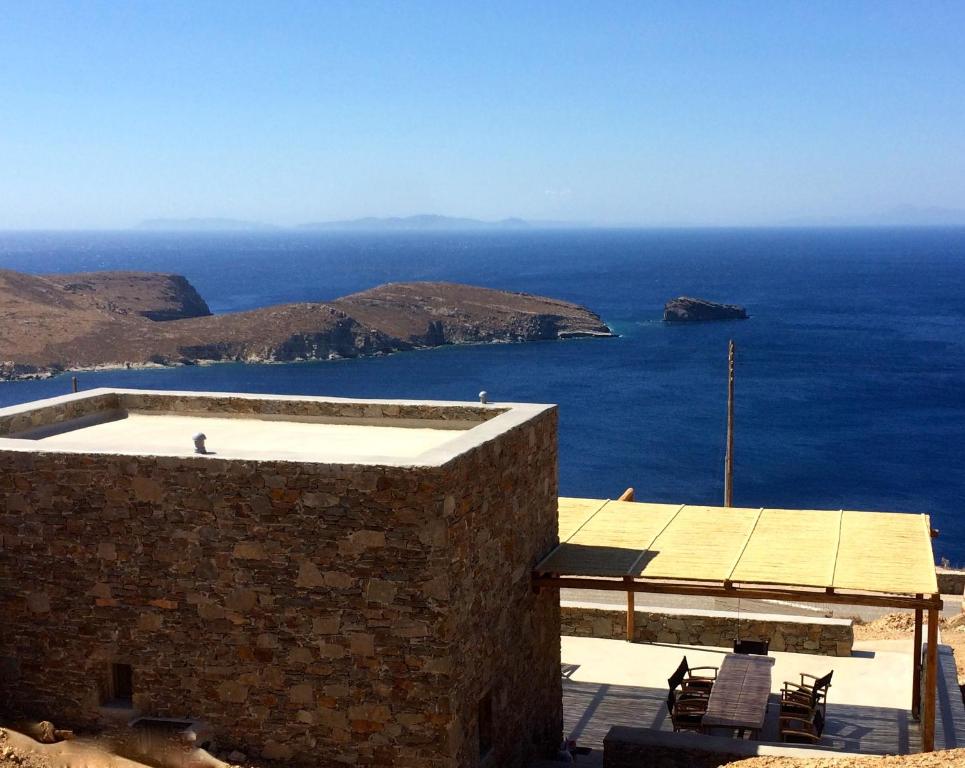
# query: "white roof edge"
88 393
508 416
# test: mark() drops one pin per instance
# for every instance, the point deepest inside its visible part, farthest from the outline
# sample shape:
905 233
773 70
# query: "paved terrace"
612 682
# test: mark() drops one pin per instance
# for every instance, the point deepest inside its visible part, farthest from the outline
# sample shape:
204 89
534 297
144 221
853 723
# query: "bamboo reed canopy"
878 558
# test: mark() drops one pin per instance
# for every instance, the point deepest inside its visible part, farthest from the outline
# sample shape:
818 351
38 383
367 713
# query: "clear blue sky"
649 113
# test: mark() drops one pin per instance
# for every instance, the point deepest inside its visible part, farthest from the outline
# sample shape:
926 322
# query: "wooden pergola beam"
731 590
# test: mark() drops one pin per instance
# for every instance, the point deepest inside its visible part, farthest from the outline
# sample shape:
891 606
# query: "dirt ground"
952 758
20 750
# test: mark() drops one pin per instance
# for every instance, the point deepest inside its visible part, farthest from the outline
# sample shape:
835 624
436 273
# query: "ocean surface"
850 372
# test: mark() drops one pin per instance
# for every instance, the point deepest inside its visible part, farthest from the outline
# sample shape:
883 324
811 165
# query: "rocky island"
54 323
687 309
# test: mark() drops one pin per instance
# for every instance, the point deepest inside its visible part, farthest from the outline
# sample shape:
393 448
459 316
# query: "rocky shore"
54 323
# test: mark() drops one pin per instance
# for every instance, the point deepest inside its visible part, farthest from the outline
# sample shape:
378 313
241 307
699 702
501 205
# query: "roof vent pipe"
199 443
484 397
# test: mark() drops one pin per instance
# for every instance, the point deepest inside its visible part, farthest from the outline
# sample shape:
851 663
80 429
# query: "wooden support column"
916 667
630 612
627 495
931 684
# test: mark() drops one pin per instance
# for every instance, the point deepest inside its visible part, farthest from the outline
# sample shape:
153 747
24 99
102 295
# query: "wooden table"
738 699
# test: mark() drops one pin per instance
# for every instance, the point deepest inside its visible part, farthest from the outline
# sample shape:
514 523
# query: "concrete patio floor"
612 682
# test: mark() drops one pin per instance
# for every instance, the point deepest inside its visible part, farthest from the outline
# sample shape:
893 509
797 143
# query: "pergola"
877 559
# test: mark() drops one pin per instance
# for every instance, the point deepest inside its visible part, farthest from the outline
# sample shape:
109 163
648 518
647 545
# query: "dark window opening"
122 685
485 724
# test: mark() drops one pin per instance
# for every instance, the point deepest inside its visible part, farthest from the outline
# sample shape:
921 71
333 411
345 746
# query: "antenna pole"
729 458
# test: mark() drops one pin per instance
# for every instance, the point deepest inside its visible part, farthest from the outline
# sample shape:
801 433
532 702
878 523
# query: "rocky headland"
54 323
687 309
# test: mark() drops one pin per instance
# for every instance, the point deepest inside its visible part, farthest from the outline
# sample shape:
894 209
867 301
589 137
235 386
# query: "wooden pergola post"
916 667
931 684
627 495
630 613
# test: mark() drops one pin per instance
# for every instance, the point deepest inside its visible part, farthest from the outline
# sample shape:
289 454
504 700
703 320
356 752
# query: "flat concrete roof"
253 427
248 438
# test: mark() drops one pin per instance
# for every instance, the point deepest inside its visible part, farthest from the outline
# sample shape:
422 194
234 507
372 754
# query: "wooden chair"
753 647
802 729
686 713
806 697
691 684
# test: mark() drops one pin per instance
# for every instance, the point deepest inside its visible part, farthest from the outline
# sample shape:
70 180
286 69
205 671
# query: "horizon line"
533 227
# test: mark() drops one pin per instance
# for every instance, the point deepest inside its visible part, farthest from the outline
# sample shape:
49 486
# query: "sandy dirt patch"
18 750
952 758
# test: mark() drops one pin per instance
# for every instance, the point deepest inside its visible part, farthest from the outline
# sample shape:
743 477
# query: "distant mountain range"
900 216
421 223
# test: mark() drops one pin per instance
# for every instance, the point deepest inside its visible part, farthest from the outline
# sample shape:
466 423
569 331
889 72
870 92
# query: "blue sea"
850 372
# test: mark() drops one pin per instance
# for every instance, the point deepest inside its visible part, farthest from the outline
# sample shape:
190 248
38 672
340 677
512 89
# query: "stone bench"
714 629
626 747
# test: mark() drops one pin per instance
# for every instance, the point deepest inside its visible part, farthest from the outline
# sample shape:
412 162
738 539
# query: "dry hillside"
59 322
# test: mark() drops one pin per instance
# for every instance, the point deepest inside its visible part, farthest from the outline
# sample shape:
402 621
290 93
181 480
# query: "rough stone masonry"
313 614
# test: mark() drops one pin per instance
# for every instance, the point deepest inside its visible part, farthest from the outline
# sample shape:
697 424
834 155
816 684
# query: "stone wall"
310 614
717 629
62 409
950 581
109 402
295 408
512 642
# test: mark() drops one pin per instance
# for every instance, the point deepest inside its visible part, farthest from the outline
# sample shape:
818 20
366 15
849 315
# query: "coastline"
117 320
45 374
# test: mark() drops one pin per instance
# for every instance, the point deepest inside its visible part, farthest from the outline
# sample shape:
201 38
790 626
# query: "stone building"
335 582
